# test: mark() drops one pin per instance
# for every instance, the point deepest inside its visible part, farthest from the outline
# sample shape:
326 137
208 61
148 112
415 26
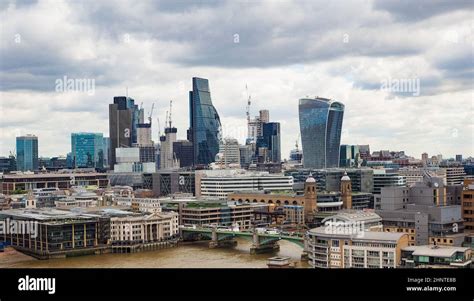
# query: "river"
195 255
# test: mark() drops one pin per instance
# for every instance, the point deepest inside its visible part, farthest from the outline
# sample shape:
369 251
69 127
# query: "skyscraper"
270 140
87 150
123 123
204 122
27 153
320 126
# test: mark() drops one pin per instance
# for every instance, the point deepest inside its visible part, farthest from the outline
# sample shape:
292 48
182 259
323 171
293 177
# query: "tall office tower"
27 153
459 158
229 151
246 154
320 125
205 124
270 139
87 150
124 117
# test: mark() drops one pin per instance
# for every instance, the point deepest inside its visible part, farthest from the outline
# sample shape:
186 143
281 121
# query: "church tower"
346 191
310 198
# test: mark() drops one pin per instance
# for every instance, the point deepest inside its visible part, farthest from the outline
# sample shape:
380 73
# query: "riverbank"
195 255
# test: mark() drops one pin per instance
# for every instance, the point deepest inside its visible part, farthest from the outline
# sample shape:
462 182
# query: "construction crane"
297 139
159 127
166 120
248 104
151 112
171 107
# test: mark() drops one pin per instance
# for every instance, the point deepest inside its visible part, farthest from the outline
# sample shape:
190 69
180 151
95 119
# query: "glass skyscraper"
205 124
87 150
320 126
270 139
27 153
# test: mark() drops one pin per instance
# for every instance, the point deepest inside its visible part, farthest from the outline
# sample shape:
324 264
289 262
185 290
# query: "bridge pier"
216 243
259 248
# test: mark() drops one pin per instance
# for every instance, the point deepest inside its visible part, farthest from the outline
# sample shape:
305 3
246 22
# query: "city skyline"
153 63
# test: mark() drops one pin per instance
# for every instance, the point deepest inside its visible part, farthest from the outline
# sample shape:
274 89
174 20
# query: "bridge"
261 242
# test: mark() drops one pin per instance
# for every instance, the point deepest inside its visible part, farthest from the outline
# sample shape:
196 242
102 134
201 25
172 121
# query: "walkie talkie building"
320 126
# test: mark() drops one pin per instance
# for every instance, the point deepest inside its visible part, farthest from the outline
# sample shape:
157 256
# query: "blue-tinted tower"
87 150
27 153
205 124
320 126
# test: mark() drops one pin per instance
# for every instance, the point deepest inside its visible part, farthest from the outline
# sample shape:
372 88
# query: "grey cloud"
413 11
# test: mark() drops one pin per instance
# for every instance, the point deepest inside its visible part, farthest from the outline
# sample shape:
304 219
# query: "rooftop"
435 251
365 235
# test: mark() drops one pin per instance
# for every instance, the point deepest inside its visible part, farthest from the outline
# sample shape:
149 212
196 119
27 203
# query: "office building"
123 123
61 233
387 178
27 153
207 214
184 152
459 158
219 183
106 151
269 144
249 193
454 174
467 205
370 249
170 182
7 164
413 175
128 161
61 180
423 212
320 126
349 156
205 123
87 150
229 152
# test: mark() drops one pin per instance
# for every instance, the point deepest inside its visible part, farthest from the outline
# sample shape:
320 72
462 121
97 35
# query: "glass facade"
271 140
87 150
320 125
27 153
205 123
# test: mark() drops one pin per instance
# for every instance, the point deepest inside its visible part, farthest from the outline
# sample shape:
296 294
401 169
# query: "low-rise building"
429 256
467 205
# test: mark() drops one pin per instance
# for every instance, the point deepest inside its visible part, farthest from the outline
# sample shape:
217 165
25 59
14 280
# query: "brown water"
196 255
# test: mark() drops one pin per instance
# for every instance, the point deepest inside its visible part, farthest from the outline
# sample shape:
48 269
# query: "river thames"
195 255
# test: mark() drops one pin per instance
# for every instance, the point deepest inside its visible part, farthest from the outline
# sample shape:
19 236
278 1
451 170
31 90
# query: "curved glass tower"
320 126
205 123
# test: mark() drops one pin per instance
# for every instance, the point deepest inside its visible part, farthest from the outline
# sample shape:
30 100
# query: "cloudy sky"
352 51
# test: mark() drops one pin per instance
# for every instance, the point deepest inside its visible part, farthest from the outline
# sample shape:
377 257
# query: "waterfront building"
294 214
140 229
27 153
320 126
370 249
429 256
205 124
59 233
218 214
